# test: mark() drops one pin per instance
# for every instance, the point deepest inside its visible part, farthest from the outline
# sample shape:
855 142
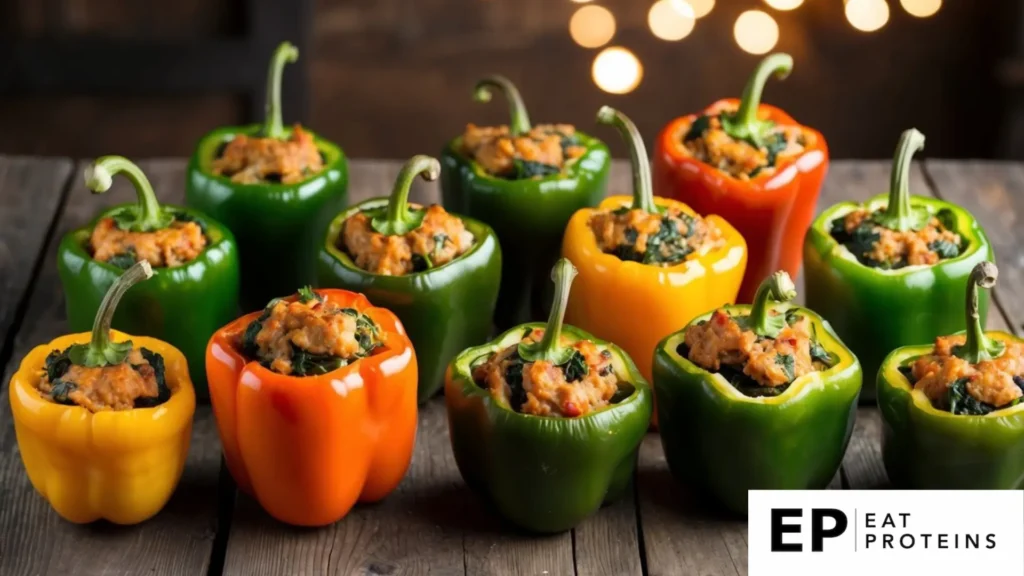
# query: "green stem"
780 65
898 214
100 351
643 191
978 346
778 287
398 218
549 348
148 216
286 53
519 120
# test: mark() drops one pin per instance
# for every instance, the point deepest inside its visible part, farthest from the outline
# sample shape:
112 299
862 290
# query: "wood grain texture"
33 539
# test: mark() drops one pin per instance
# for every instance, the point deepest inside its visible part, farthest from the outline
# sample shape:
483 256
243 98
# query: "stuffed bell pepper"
647 265
274 187
546 421
438 272
315 400
525 182
751 164
952 412
760 397
195 282
104 419
893 271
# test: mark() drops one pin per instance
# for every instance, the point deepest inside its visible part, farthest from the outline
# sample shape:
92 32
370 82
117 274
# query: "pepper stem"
899 215
286 53
100 351
746 125
643 192
778 287
978 346
147 216
399 219
549 348
519 120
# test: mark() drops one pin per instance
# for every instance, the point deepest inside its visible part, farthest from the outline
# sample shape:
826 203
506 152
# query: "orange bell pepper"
633 304
772 211
308 448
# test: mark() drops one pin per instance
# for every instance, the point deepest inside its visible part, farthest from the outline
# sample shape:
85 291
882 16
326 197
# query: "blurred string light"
671 19
581 1
921 8
592 26
784 4
616 70
701 8
756 32
867 15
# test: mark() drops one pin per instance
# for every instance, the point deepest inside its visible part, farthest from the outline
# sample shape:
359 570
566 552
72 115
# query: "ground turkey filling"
545 150
706 141
585 383
178 244
878 247
755 365
954 384
253 160
136 383
656 239
309 336
440 239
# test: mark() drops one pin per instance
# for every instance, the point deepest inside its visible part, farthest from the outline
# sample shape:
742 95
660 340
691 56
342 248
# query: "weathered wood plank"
30 193
36 541
994 193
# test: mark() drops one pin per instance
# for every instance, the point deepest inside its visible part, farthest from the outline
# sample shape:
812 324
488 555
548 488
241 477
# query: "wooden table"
432 523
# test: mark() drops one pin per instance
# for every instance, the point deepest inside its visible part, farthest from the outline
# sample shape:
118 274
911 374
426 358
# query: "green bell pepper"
725 442
928 448
544 473
444 309
875 310
528 214
182 305
278 226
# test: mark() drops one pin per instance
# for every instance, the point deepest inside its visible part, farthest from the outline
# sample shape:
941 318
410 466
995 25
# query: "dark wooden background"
390 78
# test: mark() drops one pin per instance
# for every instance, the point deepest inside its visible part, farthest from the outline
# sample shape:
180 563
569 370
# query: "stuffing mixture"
756 365
954 384
135 383
657 239
255 160
440 239
708 142
310 336
878 247
178 244
582 385
545 150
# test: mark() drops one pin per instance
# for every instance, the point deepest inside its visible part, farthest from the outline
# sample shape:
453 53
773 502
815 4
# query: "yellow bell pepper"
633 304
120 466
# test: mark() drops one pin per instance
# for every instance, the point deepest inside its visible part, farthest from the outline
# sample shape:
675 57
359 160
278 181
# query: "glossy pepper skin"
633 304
876 311
718 439
278 226
771 212
528 215
308 448
545 474
445 309
182 305
926 448
116 465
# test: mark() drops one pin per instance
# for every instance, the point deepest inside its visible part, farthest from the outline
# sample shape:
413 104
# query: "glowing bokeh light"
671 19
616 70
921 8
784 4
756 32
867 15
701 8
592 26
